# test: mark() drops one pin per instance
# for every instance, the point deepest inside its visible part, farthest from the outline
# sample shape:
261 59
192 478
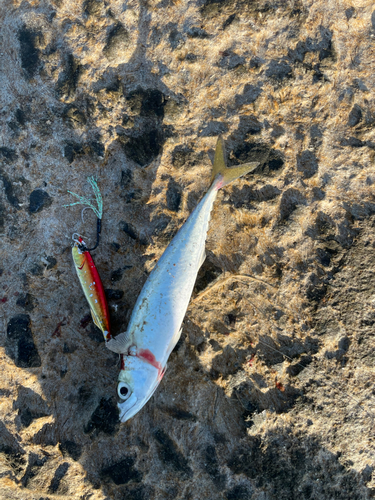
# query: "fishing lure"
86 270
92 286
155 323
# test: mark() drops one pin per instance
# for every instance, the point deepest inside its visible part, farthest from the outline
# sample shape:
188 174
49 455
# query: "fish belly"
160 309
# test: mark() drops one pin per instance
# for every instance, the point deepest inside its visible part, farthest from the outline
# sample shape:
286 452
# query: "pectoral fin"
119 344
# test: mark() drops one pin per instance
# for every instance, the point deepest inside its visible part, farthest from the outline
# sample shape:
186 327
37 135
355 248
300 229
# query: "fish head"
137 382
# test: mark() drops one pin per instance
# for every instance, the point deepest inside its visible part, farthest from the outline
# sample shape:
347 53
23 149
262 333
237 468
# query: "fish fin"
203 258
120 343
220 168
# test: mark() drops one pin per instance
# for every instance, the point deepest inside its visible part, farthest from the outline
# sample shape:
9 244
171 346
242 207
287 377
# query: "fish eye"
123 391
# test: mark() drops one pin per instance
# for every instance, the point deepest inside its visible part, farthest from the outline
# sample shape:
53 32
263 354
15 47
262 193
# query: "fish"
92 286
155 324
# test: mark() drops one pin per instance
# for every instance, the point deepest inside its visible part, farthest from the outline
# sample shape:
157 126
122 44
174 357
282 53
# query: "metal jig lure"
83 262
91 285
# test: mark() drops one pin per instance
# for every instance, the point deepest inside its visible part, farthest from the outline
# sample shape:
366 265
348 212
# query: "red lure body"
92 287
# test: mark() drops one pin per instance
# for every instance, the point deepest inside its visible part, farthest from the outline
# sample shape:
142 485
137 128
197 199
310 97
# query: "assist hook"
98 210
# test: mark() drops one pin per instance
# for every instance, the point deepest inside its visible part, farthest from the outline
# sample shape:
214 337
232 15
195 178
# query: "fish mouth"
133 405
126 408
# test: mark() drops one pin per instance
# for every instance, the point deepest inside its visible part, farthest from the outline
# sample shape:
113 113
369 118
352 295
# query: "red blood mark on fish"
3 300
122 362
251 360
146 355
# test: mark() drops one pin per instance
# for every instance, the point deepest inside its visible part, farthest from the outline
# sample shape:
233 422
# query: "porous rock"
269 392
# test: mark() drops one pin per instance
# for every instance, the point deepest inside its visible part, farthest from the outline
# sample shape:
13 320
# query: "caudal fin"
220 168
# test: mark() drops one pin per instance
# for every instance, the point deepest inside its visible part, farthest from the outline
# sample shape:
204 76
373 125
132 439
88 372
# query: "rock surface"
269 393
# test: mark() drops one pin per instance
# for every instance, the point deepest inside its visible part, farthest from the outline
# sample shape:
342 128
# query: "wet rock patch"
33 469
211 467
291 199
145 147
279 70
71 449
9 155
69 77
10 192
92 7
307 163
170 455
71 150
30 406
247 196
173 196
271 160
28 51
180 414
122 472
249 94
27 302
183 155
20 343
105 418
39 200
114 294
147 102
213 128
55 486
355 116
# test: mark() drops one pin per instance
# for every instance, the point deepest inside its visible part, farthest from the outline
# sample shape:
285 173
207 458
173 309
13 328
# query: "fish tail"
221 173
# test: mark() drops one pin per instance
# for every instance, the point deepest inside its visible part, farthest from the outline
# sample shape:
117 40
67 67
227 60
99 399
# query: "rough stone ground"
270 392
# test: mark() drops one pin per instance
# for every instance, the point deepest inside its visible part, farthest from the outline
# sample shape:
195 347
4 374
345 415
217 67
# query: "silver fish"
155 324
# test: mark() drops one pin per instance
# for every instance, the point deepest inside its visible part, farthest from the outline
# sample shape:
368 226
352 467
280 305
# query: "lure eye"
123 391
